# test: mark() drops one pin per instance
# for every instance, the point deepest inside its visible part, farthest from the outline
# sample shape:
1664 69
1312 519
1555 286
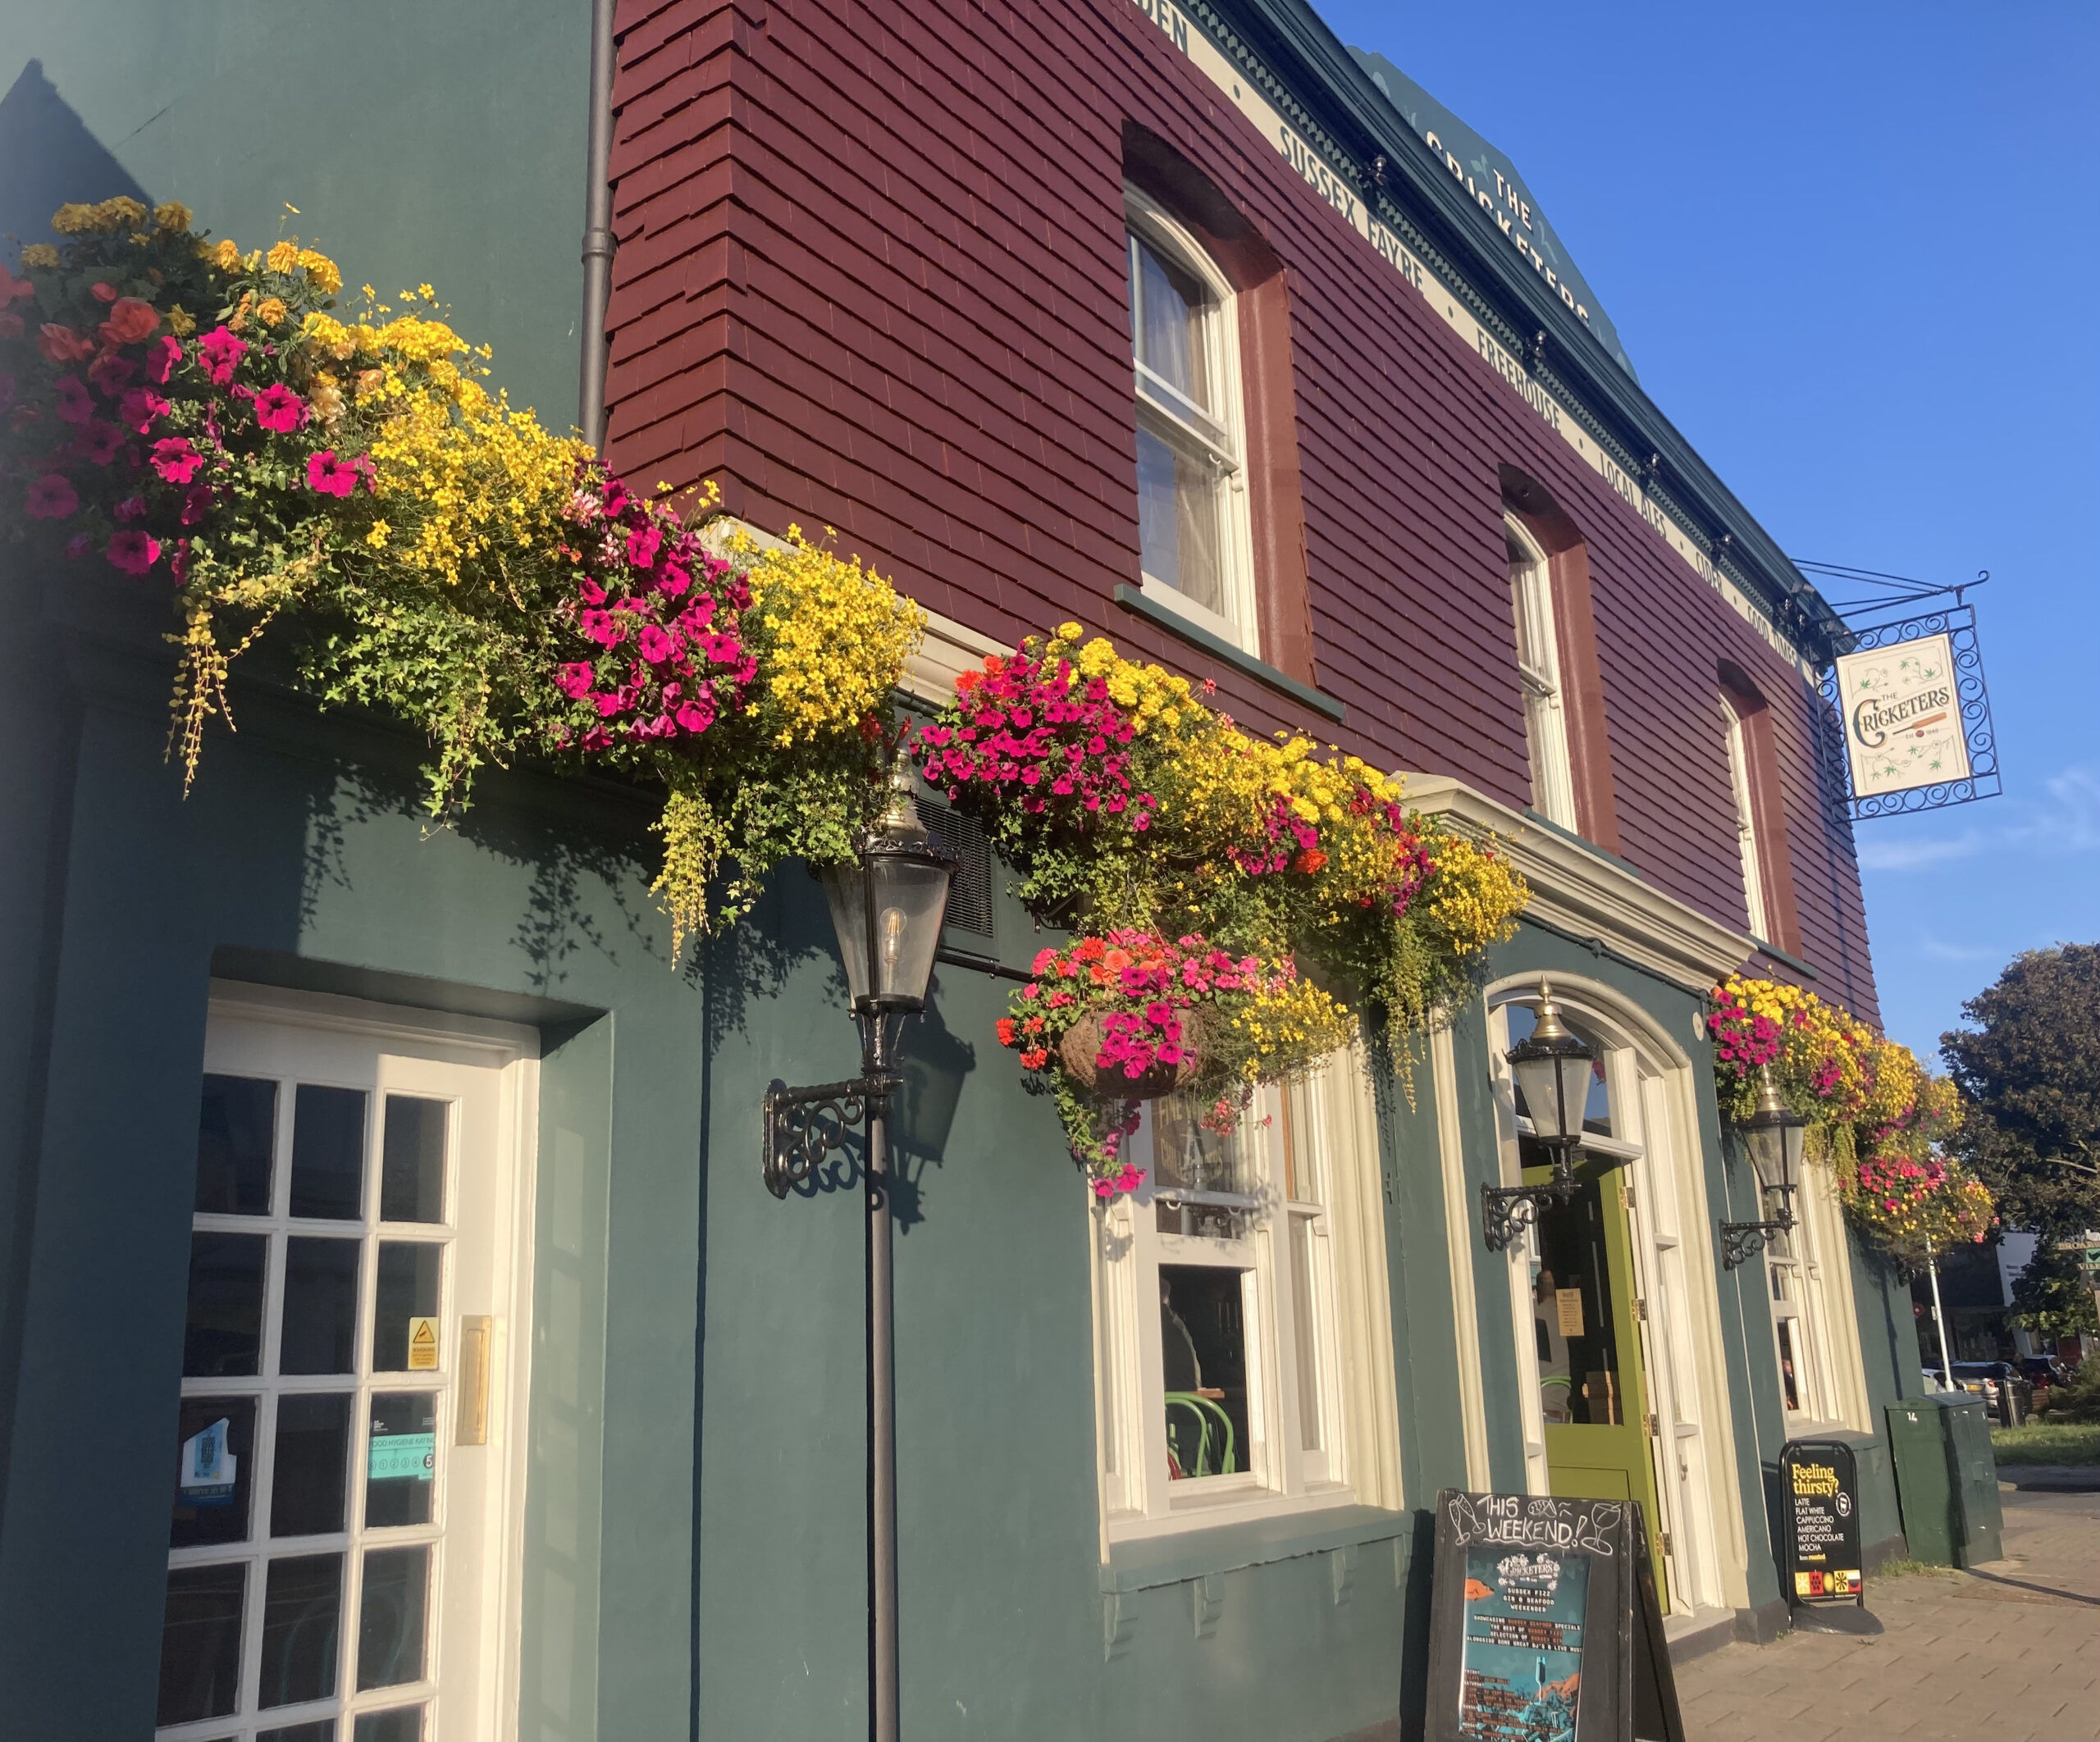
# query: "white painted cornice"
1576 890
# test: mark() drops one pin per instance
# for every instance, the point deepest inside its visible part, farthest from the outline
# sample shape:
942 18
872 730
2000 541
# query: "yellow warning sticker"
422 1345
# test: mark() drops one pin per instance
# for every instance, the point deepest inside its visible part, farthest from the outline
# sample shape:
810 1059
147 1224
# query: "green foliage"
2054 1295
2029 1072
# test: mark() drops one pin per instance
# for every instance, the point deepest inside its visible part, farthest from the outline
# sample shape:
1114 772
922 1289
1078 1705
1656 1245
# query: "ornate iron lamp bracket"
1506 1211
804 1126
1742 1240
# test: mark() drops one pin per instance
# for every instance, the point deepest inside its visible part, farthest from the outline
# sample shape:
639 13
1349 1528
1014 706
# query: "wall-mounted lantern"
1775 1135
1551 1066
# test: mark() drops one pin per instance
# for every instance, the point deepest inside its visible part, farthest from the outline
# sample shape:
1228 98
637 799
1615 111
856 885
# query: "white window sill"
1221 1547
1230 1503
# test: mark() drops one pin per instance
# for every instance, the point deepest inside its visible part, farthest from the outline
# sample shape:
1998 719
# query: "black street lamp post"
1776 1136
887 906
1551 1065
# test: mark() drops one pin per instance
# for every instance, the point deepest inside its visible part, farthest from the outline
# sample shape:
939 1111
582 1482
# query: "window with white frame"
1799 1274
1194 550
1240 1315
1753 863
1538 667
343 1463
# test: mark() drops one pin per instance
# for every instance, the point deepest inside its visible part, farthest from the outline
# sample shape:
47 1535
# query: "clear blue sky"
1852 249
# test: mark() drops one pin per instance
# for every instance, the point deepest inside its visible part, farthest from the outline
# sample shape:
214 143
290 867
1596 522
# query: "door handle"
477 1332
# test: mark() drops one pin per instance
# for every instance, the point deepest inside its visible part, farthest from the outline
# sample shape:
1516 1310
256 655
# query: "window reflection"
1203 1363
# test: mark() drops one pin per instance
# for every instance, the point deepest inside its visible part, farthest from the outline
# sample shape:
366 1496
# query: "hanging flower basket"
1211 861
1877 1119
1080 1053
209 423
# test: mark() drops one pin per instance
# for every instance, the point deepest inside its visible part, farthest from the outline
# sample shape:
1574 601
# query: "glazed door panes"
1589 1366
320 1511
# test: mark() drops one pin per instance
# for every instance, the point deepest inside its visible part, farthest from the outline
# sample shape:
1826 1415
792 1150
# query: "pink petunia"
134 552
694 716
220 352
50 497
161 357
603 627
99 442
642 544
673 581
279 409
78 545
575 681
74 404
175 460
196 504
138 409
111 374
326 474
178 565
658 644
130 508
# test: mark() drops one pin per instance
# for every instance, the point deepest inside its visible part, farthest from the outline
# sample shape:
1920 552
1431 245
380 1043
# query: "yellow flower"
271 311
322 272
73 219
284 258
40 254
222 254
181 321
172 216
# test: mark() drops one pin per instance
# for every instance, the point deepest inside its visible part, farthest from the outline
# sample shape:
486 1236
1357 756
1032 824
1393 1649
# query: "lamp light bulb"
891 926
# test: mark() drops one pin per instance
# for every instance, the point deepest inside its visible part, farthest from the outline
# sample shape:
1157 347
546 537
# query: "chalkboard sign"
1819 1491
1545 1625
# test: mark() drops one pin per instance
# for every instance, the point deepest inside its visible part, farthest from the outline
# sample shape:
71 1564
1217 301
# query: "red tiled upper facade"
872 276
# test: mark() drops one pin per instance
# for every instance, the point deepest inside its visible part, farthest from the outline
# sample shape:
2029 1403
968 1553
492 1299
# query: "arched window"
1194 550
1538 665
1753 861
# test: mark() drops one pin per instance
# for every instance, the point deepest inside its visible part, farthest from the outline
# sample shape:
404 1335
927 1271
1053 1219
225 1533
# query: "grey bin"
1947 1479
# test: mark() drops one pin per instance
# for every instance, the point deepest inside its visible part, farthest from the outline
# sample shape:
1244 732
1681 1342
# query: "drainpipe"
597 229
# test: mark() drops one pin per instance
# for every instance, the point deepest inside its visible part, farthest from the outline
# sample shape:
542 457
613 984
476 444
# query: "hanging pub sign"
1916 720
1544 1624
1819 1487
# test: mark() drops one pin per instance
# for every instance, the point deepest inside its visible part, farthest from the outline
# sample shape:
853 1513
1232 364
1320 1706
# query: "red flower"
100 443
1004 1026
130 321
139 408
50 497
61 344
103 293
162 358
13 289
134 552
1036 1060
74 406
277 408
220 352
326 474
176 460
1309 861
111 374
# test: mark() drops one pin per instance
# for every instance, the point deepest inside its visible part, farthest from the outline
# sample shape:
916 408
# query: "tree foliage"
2028 1071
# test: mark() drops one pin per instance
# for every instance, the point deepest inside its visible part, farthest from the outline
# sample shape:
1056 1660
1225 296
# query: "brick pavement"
2007 1652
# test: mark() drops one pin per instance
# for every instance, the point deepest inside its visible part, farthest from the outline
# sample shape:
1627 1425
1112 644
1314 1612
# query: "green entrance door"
1591 1388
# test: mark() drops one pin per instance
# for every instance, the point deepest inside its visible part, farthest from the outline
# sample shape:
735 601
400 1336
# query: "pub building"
396 1337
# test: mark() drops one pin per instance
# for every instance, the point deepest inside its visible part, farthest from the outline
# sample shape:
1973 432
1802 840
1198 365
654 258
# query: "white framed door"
344 1531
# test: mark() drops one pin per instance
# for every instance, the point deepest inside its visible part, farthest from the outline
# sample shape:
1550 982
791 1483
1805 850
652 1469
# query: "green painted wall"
420 143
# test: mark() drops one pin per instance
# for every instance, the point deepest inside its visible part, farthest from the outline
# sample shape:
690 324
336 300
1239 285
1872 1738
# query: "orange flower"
1308 861
1036 1060
130 321
61 344
1005 1025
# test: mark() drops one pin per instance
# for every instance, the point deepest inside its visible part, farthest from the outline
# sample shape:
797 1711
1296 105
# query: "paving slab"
2003 1651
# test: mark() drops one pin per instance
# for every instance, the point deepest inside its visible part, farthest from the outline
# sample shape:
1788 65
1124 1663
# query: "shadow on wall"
49 157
